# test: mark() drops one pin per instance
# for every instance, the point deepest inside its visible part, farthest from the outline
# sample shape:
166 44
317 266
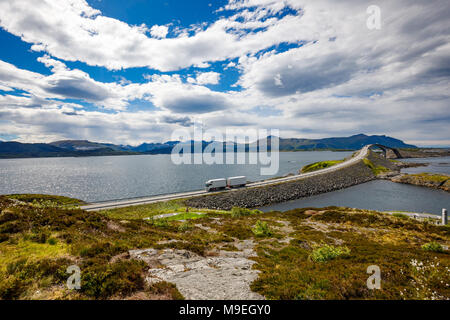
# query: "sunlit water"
119 177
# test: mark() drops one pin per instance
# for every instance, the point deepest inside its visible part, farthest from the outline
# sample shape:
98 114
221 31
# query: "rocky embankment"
436 181
262 196
424 153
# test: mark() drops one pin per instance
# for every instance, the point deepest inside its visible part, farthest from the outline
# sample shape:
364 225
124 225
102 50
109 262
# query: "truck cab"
215 184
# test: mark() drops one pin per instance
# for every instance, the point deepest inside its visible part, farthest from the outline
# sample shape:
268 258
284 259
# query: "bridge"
385 150
360 155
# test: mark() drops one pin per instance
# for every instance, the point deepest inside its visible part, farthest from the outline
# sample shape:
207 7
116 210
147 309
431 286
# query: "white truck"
220 184
216 184
236 182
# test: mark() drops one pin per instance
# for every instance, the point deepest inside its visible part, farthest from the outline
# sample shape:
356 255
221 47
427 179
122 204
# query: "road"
154 199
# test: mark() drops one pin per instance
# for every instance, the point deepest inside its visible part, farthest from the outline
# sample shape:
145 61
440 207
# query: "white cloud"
344 79
159 31
203 78
71 30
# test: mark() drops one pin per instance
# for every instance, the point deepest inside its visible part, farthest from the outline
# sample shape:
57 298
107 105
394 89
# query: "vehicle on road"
216 184
236 182
220 184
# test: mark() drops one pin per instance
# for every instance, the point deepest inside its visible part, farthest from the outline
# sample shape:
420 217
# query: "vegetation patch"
262 229
237 212
375 169
325 255
433 246
43 198
328 252
431 180
320 165
400 215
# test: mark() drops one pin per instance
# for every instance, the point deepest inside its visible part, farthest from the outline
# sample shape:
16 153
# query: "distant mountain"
342 143
81 148
83 145
39 150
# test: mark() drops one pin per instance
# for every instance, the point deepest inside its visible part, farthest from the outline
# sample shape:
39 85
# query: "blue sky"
135 71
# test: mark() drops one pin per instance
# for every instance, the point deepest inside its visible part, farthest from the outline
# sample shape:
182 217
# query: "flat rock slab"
224 277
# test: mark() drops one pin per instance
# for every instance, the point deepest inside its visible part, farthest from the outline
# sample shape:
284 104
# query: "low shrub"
121 278
262 229
185 226
433 246
237 212
328 252
400 215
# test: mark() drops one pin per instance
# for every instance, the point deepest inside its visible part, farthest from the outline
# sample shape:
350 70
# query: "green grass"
400 215
328 252
26 249
320 165
149 210
262 229
432 177
375 169
237 212
42 198
145 211
433 246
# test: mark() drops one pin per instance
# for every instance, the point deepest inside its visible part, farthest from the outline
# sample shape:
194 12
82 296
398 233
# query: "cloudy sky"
134 71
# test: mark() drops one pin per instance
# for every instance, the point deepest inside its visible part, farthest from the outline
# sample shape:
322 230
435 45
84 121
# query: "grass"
262 229
149 210
25 249
433 246
328 252
375 169
237 212
42 198
432 177
400 215
320 165
145 211
432 180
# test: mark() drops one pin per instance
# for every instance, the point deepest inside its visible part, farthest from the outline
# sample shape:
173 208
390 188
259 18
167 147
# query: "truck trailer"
236 182
220 184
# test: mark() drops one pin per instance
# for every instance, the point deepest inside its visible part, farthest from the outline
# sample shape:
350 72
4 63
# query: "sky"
134 71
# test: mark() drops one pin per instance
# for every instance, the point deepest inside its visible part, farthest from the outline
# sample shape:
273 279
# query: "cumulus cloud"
205 78
72 30
314 64
159 31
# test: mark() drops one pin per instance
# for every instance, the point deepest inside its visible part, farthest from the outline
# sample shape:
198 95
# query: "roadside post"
444 217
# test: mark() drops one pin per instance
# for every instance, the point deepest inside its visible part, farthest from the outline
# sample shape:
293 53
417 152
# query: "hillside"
317 253
350 143
40 150
79 148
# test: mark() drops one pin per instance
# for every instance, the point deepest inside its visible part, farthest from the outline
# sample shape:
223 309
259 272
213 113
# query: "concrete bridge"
358 156
385 150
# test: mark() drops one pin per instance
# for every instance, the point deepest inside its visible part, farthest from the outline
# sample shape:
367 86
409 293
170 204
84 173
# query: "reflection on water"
380 195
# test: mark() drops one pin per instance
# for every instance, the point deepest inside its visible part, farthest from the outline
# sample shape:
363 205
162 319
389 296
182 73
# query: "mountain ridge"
79 148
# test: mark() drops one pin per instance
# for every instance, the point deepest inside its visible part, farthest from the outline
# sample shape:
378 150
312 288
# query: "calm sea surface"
119 177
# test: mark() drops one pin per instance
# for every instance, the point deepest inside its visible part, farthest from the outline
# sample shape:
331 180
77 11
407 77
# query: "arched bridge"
385 149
